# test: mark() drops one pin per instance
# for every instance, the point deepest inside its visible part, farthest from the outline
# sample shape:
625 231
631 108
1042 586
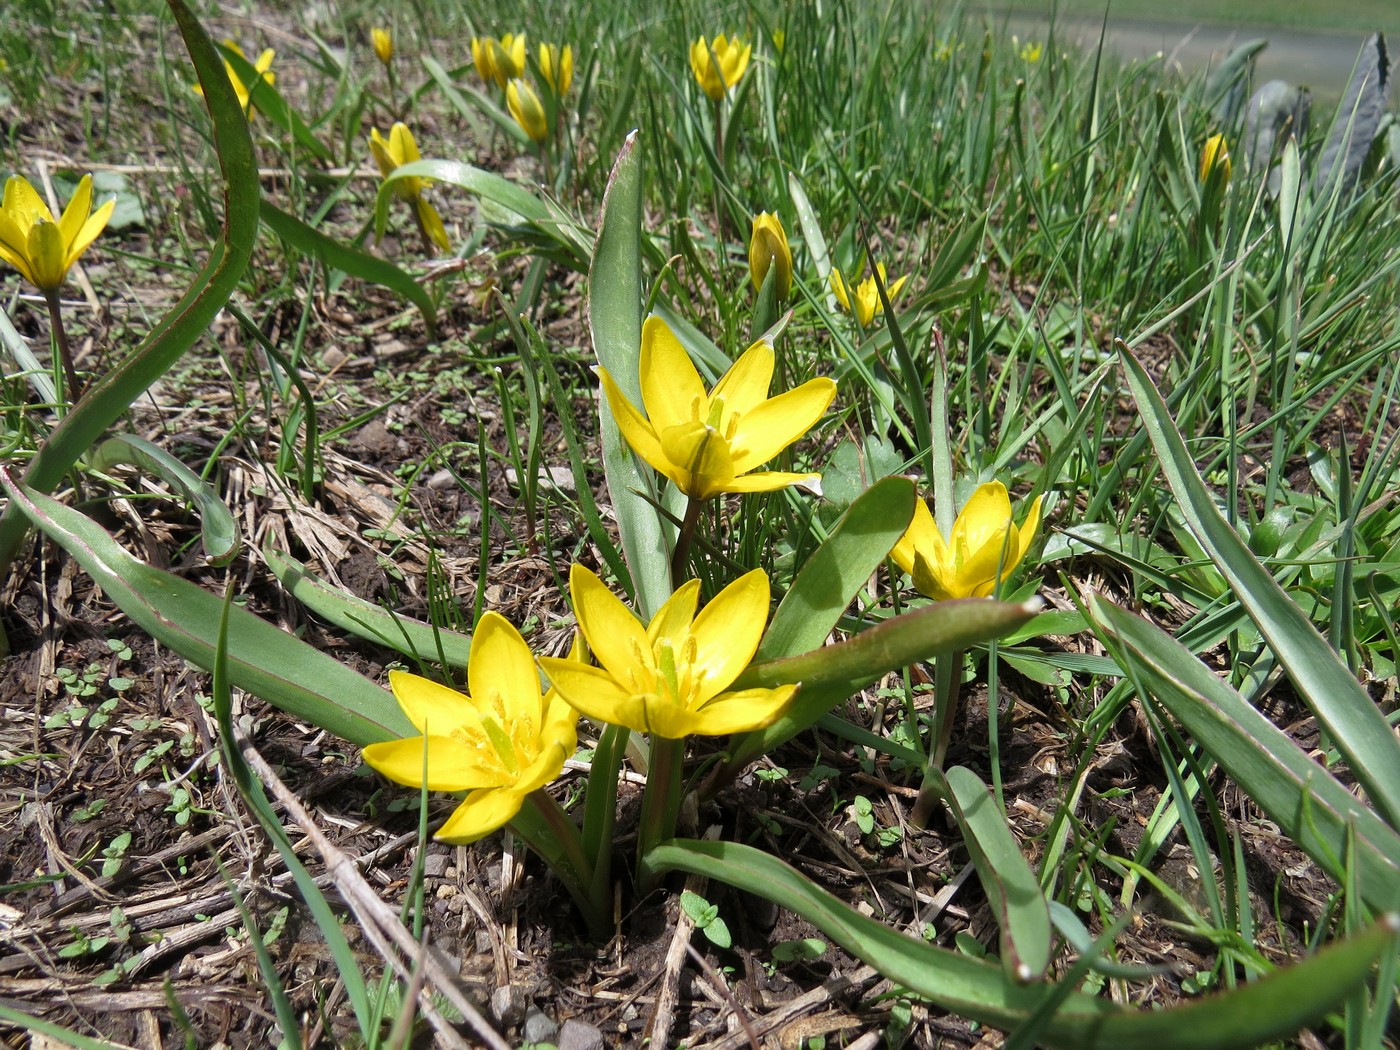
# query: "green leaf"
188 319
268 101
413 638
1323 682
218 528
338 256
615 320
1011 887
264 660
841 566
1269 1008
1302 797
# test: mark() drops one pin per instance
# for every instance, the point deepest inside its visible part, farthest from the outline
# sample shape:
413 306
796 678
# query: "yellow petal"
379 150
595 693
432 222
1026 533
636 431
431 707
617 638
481 813
745 386
46 253
743 711
402 144
778 422
838 289
95 224
772 481
672 391
919 536
77 212
452 766
501 665
984 518
24 204
673 620
727 633
701 464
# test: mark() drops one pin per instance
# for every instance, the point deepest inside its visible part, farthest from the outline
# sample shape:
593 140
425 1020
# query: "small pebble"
539 1026
508 1004
575 1035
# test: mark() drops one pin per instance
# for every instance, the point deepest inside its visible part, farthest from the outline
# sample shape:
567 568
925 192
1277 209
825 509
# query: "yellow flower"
500 743
866 296
383 41
481 58
669 678
985 546
500 60
39 248
1031 51
527 109
710 443
557 68
263 67
1215 154
719 63
768 246
391 154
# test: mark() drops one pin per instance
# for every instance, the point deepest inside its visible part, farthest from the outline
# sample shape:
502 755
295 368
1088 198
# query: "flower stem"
547 829
60 339
945 704
600 810
684 540
661 803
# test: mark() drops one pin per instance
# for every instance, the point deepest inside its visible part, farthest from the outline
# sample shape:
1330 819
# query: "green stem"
684 540
60 339
547 829
945 704
600 810
661 803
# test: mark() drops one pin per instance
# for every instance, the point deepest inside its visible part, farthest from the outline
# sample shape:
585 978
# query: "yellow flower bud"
557 68
383 42
1214 154
719 64
527 109
768 247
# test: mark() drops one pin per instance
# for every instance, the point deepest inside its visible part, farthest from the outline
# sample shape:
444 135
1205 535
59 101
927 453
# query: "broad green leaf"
218 528
832 577
1011 887
833 673
266 661
414 638
338 256
1269 1008
188 319
615 320
1323 682
1303 798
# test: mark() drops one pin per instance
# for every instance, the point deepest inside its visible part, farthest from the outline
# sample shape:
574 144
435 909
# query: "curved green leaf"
176 332
356 263
268 101
266 661
413 638
1324 683
217 526
1011 887
1274 1006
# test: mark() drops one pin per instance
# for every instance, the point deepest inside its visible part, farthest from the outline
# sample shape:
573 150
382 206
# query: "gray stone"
575 1035
435 864
539 1026
508 1004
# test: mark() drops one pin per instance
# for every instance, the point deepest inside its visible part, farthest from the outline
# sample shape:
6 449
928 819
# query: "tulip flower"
669 678
768 246
527 109
985 546
719 64
40 248
391 154
500 60
711 443
383 41
557 68
864 299
263 67
1214 154
499 744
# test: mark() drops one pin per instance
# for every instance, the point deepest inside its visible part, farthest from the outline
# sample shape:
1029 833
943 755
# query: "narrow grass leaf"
337 256
1331 692
1306 801
1271 1007
1011 887
264 660
218 528
413 638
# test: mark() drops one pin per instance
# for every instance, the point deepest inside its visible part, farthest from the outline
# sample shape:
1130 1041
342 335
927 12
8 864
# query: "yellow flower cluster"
504 62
